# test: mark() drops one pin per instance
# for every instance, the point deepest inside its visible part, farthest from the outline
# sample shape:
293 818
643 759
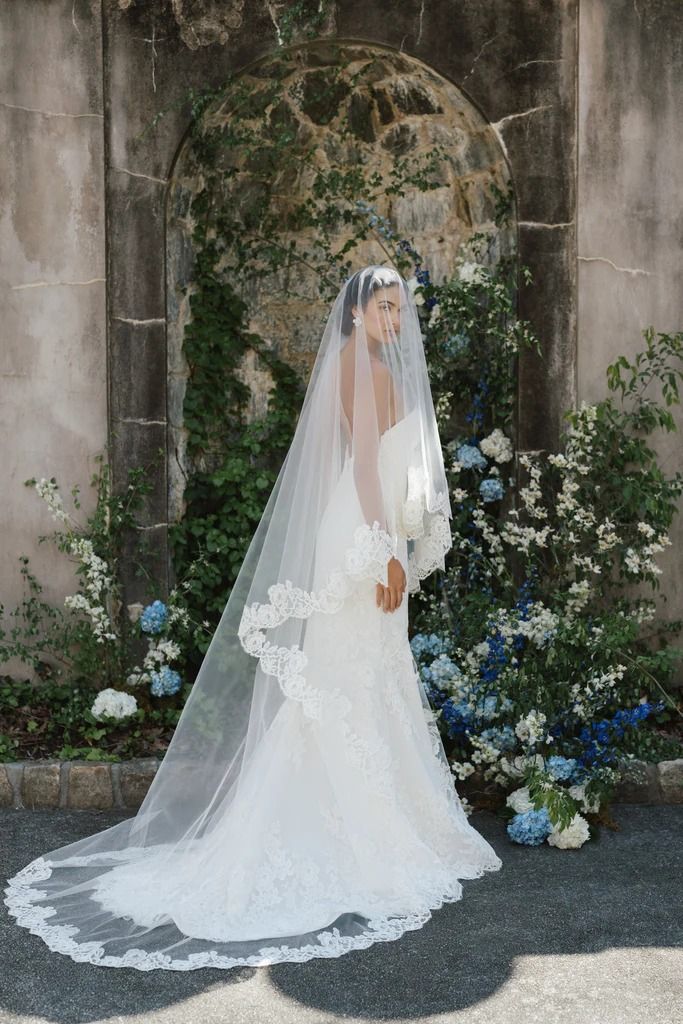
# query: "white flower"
112 703
134 611
519 800
471 273
497 446
587 806
530 729
573 836
413 284
435 314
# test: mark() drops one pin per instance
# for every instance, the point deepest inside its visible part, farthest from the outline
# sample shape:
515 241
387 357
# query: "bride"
305 806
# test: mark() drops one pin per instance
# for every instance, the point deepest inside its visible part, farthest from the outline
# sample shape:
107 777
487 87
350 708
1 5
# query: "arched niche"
356 108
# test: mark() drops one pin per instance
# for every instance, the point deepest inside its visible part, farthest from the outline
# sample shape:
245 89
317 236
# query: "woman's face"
382 315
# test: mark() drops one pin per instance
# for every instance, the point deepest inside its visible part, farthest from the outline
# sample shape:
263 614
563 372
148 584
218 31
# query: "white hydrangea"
519 800
497 446
413 284
573 836
588 806
112 703
472 273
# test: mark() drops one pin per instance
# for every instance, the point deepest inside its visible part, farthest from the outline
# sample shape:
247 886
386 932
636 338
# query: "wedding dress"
334 822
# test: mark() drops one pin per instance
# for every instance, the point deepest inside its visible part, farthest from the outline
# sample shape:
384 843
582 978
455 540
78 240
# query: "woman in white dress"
305 806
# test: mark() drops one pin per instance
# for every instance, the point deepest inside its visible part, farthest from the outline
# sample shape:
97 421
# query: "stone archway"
353 106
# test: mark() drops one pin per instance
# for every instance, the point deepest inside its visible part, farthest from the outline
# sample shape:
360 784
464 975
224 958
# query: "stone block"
135 779
90 787
40 786
6 791
670 774
640 783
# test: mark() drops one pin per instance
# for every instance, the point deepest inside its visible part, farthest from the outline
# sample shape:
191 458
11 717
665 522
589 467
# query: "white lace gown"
348 829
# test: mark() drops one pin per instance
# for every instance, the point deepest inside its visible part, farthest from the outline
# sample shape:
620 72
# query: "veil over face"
369 379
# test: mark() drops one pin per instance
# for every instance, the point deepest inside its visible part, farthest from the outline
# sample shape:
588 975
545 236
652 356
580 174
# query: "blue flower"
503 738
454 344
165 683
471 457
457 716
530 828
491 489
153 617
561 768
422 644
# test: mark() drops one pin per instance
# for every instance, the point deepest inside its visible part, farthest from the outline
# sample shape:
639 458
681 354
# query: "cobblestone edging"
91 785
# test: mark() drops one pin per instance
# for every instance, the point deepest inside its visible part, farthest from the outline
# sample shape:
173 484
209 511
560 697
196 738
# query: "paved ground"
554 937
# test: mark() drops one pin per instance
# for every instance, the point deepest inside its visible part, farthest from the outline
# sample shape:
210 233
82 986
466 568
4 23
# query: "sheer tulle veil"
369 378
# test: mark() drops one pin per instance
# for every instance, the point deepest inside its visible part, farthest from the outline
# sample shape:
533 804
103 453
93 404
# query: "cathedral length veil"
190 881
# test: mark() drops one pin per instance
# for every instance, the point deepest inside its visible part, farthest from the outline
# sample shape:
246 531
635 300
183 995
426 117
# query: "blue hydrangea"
454 344
486 707
531 828
491 489
165 683
502 737
423 644
561 768
470 456
442 670
153 617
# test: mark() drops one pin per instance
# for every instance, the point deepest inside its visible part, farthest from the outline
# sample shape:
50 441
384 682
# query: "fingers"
388 598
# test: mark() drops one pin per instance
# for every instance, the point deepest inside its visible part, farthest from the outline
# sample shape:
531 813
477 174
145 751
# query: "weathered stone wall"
53 356
630 216
580 97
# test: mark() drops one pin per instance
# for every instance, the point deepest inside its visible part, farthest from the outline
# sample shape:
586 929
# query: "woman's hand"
389 598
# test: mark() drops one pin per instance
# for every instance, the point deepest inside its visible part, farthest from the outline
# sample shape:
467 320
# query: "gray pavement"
554 937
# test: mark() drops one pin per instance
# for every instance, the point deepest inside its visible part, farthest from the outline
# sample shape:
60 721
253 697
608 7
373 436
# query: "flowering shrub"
89 693
531 647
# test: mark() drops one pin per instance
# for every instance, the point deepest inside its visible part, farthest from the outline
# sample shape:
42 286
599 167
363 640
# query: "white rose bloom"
497 446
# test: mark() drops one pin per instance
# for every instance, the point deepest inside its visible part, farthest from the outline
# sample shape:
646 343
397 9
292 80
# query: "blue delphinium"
561 768
531 828
165 683
457 716
597 736
153 617
471 457
491 489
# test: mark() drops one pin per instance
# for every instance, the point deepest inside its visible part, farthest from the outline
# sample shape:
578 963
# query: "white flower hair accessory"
385 276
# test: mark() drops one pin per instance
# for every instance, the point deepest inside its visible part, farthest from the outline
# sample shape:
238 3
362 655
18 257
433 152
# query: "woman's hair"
370 285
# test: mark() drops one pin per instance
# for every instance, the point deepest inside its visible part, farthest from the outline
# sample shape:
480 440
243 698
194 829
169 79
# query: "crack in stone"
541 224
487 43
523 113
271 12
50 284
45 113
138 174
131 320
131 419
623 270
420 17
